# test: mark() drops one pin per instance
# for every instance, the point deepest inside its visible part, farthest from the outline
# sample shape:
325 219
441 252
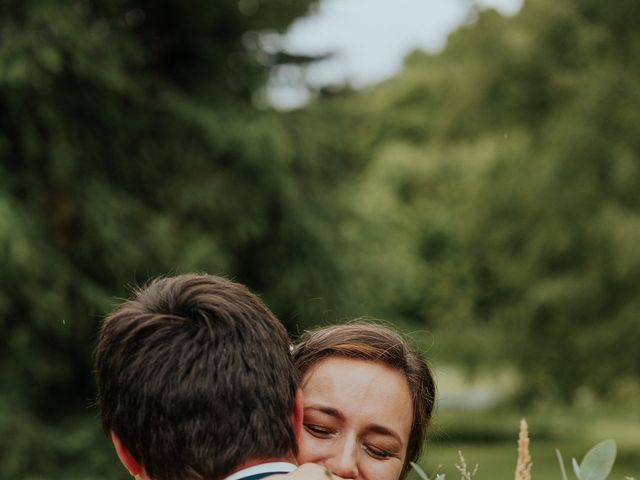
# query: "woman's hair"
377 343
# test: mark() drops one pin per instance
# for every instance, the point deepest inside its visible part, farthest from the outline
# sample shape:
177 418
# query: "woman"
368 399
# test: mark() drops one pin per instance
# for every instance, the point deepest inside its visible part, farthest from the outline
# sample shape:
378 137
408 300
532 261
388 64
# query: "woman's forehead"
362 391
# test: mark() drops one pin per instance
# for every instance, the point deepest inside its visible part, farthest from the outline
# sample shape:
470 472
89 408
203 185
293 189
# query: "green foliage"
130 148
488 193
502 188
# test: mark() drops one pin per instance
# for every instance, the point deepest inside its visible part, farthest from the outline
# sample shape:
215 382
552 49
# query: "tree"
129 148
505 170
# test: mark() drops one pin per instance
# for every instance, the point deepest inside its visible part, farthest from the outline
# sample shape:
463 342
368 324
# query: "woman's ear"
130 463
297 414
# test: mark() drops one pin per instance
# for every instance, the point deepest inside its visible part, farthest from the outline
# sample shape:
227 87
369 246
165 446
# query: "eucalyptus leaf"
597 463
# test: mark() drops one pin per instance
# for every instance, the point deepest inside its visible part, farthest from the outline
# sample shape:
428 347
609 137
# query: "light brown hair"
377 343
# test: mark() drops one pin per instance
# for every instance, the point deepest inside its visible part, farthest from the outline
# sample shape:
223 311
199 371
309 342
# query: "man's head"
195 379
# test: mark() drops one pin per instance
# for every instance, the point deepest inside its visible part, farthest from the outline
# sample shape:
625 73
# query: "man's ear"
297 414
130 463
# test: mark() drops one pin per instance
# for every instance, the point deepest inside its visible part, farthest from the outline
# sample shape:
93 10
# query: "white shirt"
275 467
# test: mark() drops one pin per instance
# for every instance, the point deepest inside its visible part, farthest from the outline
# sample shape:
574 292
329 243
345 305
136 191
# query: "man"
195 381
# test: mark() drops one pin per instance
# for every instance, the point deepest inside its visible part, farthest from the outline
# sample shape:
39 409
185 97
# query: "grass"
489 438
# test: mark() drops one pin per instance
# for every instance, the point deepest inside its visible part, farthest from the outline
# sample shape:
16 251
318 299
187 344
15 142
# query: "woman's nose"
344 461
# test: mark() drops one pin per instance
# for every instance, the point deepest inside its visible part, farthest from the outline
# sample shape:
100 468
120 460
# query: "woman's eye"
318 431
377 452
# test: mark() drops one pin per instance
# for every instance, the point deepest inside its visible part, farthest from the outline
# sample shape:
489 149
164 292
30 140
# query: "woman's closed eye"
318 430
378 453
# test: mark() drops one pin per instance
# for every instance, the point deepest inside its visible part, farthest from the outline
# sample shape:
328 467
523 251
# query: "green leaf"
418 469
561 462
576 468
597 463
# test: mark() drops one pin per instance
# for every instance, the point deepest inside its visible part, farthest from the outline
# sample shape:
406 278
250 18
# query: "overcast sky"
369 39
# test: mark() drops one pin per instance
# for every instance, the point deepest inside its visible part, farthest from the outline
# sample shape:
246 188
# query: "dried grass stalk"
523 466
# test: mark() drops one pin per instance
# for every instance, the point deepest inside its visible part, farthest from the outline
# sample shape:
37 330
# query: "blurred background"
475 183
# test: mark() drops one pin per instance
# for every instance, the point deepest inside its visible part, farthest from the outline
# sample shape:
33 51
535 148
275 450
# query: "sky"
369 40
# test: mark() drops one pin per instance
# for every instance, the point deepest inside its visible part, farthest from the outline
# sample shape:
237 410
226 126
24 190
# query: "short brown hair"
195 377
368 341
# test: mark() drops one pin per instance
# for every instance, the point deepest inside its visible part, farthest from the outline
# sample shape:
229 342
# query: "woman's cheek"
311 449
372 469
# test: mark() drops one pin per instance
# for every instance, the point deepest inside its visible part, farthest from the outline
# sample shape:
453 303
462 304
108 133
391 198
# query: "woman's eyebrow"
375 428
333 412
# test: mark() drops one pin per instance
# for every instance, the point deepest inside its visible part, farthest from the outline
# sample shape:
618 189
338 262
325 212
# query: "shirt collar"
271 467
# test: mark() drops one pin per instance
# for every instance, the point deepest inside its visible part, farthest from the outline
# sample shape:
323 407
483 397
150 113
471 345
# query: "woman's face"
357 419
